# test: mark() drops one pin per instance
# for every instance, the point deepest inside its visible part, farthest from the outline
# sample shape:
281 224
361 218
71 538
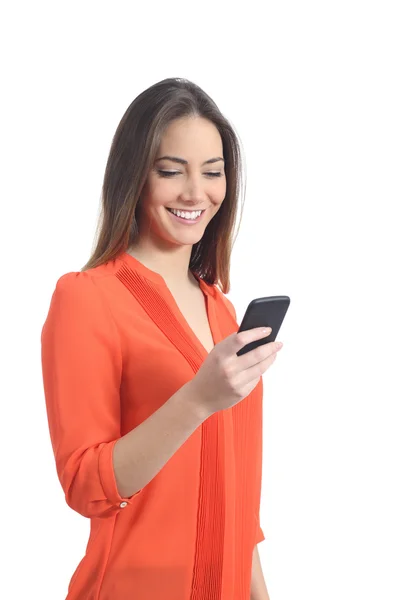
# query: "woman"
155 422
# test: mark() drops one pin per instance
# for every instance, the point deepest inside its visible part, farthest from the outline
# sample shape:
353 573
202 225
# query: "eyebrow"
185 162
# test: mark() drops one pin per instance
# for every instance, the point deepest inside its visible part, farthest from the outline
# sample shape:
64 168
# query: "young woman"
155 422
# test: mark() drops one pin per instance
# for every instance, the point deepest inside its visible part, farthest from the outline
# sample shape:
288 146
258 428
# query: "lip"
186 221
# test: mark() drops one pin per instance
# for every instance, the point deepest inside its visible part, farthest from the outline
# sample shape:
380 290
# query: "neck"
172 265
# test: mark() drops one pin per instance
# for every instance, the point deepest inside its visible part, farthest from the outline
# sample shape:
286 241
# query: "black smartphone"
264 312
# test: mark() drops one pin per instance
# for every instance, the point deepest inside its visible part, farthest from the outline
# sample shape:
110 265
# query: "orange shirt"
115 347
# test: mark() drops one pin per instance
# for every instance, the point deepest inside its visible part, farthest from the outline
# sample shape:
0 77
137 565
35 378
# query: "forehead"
191 135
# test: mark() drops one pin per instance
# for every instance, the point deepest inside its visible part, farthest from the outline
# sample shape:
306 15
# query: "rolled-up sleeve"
82 369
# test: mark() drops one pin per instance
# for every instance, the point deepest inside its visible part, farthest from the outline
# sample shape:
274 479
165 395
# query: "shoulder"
74 289
75 282
78 312
86 282
90 281
226 301
80 294
230 306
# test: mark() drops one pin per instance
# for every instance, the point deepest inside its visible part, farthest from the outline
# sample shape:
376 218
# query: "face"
192 179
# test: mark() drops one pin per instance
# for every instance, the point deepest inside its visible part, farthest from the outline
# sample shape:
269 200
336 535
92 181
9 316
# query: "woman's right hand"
224 378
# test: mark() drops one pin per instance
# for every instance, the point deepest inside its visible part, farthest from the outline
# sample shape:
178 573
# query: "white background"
313 90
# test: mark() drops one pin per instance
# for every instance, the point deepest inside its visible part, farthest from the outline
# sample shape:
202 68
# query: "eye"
164 173
167 173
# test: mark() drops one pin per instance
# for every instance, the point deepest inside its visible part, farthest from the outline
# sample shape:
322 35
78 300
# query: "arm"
99 470
258 587
140 454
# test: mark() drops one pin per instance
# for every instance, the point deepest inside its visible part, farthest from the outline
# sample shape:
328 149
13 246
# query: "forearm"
258 586
140 454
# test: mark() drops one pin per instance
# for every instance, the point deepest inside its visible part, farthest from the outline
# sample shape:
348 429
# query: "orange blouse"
115 347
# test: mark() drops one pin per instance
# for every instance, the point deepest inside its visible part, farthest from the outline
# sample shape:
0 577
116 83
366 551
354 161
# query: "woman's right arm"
98 469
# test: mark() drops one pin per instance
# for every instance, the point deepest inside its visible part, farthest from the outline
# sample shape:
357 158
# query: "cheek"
160 192
219 192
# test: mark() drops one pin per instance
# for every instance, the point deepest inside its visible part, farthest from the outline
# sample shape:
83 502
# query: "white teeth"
186 215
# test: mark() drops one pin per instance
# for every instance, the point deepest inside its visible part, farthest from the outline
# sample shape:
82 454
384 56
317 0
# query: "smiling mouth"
188 220
185 211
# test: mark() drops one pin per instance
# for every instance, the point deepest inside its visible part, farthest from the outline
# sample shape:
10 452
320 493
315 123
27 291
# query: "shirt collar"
155 277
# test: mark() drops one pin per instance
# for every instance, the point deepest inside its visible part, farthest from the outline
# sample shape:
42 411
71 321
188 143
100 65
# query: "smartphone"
264 312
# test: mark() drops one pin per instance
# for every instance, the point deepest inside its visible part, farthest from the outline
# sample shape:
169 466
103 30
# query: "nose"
193 191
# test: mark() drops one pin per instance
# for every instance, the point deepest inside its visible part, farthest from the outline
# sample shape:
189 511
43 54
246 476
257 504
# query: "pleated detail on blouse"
207 569
158 309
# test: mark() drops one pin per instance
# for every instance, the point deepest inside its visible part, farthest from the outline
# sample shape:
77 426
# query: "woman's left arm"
258 586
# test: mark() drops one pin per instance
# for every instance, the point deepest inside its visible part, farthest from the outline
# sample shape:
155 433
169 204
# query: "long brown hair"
132 154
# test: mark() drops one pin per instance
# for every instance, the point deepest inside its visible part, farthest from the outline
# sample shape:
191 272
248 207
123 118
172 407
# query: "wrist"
195 403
